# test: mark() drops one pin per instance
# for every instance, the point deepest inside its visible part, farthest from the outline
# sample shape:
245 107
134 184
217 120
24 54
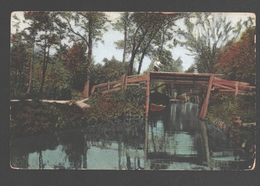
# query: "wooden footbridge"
205 83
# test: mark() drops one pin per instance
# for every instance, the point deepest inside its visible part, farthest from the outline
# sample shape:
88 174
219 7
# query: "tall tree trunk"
30 73
124 53
20 82
90 44
141 61
131 64
134 51
145 50
43 71
45 63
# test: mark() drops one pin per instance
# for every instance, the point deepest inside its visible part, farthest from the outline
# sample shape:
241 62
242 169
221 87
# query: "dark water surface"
174 141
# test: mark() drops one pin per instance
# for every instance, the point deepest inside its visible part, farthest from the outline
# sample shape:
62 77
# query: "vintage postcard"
133 90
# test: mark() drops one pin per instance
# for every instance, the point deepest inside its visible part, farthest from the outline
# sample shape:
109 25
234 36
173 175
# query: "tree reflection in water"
176 140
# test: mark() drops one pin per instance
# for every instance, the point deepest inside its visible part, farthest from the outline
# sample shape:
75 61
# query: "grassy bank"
224 108
227 107
36 117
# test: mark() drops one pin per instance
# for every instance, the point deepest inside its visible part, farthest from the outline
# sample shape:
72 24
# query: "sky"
108 48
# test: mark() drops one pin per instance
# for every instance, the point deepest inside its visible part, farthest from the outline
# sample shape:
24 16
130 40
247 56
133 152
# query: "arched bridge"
178 80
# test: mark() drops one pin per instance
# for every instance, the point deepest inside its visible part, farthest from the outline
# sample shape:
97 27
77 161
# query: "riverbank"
223 111
29 117
243 136
37 117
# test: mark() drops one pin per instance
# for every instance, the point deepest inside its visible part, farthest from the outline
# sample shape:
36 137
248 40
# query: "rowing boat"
157 108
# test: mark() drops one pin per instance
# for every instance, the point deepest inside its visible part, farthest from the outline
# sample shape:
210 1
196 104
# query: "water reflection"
175 141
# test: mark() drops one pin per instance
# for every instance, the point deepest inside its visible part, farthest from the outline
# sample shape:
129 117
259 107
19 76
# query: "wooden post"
85 93
146 144
204 107
123 81
147 95
108 85
236 88
92 90
203 129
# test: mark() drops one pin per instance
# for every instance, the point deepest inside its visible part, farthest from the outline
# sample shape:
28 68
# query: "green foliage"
238 60
76 95
128 102
190 69
57 81
49 34
226 107
74 57
29 118
19 67
93 25
110 71
247 134
206 35
145 35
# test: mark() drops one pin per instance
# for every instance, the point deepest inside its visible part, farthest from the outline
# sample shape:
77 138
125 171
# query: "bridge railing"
116 85
108 85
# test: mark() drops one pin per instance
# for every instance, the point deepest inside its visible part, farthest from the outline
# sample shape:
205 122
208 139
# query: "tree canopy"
88 27
238 60
205 35
147 35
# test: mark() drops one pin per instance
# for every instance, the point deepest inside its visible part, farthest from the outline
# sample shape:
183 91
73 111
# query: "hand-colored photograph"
133 91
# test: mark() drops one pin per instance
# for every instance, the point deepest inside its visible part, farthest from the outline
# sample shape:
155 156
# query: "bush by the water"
36 117
28 118
226 107
127 102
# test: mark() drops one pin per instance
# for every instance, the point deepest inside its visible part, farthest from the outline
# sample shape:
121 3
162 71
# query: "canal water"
175 140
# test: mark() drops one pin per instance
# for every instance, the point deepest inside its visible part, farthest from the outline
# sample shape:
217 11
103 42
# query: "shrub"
126 102
28 118
226 107
36 117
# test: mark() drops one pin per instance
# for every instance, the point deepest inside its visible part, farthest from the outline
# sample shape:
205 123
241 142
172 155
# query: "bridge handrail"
103 85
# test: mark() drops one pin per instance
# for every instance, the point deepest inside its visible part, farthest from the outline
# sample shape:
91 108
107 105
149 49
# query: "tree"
88 27
123 24
75 62
47 25
27 39
238 60
205 36
143 30
110 71
155 46
75 57
190 69
19 57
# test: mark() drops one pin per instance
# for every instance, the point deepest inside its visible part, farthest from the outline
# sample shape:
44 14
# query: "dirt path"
80 103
